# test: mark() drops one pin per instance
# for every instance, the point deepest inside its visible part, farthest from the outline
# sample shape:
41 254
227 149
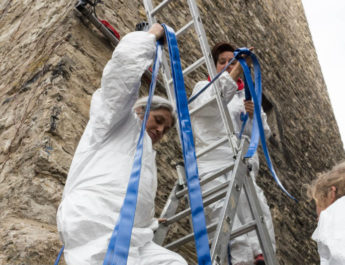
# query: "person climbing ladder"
99 173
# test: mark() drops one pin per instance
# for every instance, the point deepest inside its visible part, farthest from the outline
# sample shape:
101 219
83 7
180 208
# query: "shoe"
259 260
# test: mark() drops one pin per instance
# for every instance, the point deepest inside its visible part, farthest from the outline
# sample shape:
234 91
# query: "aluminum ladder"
240 178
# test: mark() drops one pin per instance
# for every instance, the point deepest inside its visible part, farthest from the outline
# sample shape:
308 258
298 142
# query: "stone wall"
51 63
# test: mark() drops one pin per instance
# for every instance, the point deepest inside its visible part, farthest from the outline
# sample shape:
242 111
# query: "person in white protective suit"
208 128
98 177
328 192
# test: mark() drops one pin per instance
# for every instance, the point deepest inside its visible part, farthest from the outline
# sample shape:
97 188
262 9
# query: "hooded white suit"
208 128
330 234
98 177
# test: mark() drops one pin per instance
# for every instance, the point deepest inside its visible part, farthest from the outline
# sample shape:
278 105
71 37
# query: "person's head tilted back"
161 117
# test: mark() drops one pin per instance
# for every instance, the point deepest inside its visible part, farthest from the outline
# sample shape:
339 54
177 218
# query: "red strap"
106 23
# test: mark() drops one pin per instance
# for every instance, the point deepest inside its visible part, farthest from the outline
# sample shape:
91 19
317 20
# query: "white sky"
326 21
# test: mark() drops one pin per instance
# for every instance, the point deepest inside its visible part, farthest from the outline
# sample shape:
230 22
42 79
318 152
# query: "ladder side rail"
169 88
261 228
165 65
226 219
199 28
168 211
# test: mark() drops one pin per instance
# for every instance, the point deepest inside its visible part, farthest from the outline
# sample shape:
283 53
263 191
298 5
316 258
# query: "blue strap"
191 99
198 217
258 130
254 141
244 117
59 256
118 247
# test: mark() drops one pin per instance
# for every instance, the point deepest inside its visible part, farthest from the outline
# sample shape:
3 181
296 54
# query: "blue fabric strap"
118 247
244 117
59 256
254 142
257 129
198 217
191 99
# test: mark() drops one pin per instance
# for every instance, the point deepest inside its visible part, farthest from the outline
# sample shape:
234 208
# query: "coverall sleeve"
113 102
228 89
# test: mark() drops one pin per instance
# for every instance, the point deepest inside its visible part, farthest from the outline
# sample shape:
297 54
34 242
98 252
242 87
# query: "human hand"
157 30
249 58
249 107
162 220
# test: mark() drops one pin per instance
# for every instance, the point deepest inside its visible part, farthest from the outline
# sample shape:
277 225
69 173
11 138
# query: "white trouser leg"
254 241
153 254
240 249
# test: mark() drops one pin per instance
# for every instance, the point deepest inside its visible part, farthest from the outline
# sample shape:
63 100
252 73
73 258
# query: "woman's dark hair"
219 48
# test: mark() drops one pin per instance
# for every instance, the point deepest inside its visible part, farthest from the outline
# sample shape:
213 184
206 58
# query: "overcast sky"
326 21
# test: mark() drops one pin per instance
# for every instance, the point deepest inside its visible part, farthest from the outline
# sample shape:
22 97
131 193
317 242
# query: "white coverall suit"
207 128
98 177
330 234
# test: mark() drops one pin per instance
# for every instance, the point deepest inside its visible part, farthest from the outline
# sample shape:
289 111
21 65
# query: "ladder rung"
215 189
184 191
187 211
191 68
194 66
209 101
244 229
183 240
159 7
184 28
210 228
212 146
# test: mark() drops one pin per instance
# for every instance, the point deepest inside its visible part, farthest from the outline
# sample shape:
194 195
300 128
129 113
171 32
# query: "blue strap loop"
188 148
257 129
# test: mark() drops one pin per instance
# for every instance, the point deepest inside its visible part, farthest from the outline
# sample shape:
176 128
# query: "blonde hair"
320 187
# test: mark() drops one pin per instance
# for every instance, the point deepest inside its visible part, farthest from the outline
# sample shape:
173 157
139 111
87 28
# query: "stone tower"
51 63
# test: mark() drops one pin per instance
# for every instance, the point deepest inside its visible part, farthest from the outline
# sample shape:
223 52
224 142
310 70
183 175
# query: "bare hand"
249 107
249 58
162 220
157 30
237 69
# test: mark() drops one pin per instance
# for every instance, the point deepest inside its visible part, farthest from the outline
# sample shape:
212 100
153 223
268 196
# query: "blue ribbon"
257 129
188 148
191 99
244 117
119 244
59 256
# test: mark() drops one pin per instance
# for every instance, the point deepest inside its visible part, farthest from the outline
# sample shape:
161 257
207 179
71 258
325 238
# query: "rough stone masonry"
51 63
